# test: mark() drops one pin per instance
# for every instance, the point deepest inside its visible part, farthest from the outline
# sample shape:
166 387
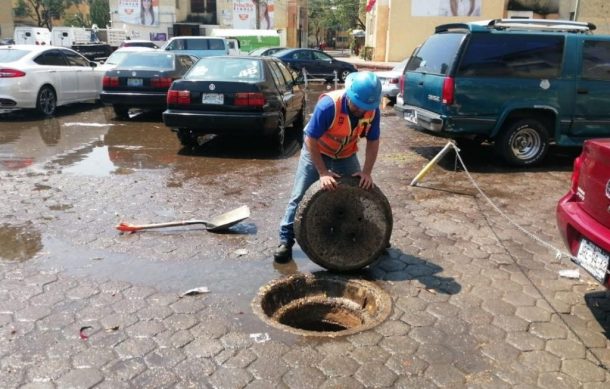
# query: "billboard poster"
446 7
244 14
143 12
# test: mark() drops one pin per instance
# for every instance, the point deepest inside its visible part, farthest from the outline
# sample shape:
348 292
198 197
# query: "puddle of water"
19 243
97 163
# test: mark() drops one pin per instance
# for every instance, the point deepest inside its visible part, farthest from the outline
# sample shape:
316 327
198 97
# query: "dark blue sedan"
316 63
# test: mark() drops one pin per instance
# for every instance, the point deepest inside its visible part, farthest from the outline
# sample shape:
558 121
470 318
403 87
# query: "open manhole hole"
322 305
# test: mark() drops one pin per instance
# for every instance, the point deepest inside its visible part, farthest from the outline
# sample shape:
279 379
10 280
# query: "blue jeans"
305 176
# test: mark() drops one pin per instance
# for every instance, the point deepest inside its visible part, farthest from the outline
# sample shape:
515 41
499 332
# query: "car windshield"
149 60
11 55
258 51
226 69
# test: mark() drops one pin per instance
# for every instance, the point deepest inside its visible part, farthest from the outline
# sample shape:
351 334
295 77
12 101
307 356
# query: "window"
513 55
596 60
75 59
301 54
51 58
226 69
437 54
203 6
321 56
185 61
277 76
287 74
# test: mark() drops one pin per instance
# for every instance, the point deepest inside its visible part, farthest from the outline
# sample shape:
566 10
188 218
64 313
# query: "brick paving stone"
415 382
268 368
195 369
338 366
436 354
155 378
230 378
428 335
548 330
124 369
48 370
392 328
154 313
80 378
241 360
367 338
164 358
565 349
341 382
38 385
271 348
418 319
557 381
369 354
500 352
304 377
583 370
445 375
93 358
399 345
533 314
510 323
210 329
524 341
203 348
375 375
180 321
542 361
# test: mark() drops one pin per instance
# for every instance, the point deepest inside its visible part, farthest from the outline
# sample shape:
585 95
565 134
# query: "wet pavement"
476 303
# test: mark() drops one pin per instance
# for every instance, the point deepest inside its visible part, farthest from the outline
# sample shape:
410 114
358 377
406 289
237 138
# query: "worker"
339 120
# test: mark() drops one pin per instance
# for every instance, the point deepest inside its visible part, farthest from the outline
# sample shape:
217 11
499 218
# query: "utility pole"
258 14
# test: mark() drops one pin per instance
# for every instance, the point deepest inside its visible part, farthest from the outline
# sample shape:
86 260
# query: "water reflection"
19 242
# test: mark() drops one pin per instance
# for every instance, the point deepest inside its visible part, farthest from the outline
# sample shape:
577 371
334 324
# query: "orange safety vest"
340 141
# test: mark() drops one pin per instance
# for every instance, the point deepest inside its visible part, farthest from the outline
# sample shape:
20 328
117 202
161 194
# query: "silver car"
390 80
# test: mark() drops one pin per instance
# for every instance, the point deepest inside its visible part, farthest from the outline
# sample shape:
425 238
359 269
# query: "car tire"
186 138
343 74
121 111
46 101
523 142
279 136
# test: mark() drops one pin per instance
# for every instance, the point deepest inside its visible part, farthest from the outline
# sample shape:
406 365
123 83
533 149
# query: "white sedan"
390 80
45 77
117 56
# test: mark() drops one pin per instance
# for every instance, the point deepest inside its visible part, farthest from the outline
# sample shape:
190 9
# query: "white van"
32 36
70 36
199 46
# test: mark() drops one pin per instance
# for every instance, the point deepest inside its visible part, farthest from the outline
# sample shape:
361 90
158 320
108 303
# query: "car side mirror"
92 64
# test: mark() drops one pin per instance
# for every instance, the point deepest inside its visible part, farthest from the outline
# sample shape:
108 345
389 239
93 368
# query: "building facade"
6 19
198 17
396 27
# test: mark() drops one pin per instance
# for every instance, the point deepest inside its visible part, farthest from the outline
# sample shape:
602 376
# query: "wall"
6 19
596 12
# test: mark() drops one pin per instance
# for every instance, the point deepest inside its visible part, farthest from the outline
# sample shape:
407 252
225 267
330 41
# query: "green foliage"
42 12
77 20
338 15
99 11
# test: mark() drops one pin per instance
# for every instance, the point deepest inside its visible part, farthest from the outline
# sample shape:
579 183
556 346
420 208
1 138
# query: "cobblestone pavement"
476 303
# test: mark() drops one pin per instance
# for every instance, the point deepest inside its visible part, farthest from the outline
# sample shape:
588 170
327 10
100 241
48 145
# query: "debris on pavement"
260 337
82 333
570 273
241 252
196 291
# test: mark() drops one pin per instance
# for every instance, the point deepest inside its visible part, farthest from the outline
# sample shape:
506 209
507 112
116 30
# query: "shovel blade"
228 219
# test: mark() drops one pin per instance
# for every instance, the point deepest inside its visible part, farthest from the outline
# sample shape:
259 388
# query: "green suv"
520 84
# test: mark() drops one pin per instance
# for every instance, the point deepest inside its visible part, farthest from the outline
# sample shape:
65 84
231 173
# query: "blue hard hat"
364 90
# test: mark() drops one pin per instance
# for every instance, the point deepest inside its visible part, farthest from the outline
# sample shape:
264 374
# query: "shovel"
219 223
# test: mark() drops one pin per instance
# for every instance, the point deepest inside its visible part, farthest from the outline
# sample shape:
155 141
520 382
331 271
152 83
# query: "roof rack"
542 25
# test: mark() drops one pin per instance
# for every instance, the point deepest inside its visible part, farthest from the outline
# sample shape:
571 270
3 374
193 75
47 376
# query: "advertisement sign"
142 12
244 14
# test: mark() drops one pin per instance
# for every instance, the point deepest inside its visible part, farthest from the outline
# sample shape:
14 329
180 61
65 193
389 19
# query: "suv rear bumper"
421 118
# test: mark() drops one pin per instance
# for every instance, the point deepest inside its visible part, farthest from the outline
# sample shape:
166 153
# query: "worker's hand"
327 180
366 181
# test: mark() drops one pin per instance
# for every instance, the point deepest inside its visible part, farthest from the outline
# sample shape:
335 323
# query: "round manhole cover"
322 305
344 229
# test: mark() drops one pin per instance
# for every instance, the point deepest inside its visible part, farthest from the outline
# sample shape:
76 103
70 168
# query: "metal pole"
433 162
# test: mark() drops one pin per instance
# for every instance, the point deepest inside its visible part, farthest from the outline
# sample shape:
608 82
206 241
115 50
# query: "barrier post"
450 145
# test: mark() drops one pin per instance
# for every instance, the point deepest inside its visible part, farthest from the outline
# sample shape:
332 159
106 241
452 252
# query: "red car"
583 214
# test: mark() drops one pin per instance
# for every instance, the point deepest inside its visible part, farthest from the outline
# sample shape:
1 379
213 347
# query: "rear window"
437 54
226 69
596 60
148 60
11 55
512 55
204 44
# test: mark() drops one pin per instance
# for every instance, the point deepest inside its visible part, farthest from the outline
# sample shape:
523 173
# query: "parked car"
119 55
139 43
44 77
316 63
7 41
390 80
266 50
583 214
520 84
237 96
142 79
199 46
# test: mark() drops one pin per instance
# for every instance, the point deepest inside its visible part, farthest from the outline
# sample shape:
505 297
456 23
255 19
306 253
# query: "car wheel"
46 101
343 75
523 143
280 134
186 138
121 111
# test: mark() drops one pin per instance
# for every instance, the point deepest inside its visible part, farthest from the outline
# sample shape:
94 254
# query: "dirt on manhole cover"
322 304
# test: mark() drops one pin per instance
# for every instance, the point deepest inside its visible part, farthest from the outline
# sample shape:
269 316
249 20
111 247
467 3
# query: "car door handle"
582 91
421 83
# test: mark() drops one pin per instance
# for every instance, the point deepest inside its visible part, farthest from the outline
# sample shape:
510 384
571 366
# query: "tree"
42 12
338 15
99 11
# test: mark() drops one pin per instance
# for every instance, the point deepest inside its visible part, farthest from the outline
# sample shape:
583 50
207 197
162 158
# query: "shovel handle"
126 227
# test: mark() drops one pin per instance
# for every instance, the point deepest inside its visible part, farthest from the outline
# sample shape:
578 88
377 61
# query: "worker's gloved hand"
327 180
366 181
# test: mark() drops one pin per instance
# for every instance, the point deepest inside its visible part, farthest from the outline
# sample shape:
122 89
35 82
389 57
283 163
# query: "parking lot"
475 301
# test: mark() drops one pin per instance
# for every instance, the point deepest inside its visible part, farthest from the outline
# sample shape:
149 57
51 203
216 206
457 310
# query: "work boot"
283 253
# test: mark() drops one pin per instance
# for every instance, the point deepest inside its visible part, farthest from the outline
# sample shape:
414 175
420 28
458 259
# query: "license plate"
135 82
593 259
410 116
212 98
